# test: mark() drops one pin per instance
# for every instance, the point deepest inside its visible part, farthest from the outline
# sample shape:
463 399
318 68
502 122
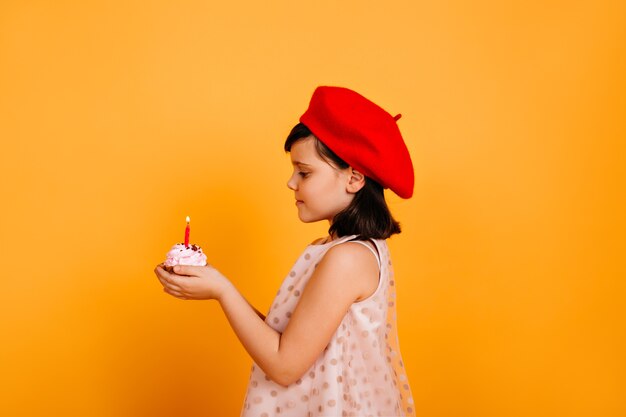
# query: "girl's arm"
258 313
347 273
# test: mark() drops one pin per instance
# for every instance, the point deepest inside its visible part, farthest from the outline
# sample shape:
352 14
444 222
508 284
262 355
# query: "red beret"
363 134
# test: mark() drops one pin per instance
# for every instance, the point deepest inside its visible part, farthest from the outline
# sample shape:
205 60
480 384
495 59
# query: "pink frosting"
180 255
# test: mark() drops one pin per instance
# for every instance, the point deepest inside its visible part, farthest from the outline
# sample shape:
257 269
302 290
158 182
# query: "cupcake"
181 255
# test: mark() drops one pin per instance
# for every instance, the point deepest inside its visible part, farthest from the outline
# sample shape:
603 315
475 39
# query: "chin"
305 218
311 216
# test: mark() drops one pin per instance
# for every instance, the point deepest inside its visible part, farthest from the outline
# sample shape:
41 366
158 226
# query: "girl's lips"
299 202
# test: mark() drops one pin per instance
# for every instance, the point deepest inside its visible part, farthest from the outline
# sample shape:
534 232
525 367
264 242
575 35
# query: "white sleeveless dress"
360 372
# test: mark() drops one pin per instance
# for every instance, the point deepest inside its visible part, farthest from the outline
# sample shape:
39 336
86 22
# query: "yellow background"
118 119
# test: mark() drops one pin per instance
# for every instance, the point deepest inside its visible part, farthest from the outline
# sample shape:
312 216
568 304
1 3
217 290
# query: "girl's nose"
291 184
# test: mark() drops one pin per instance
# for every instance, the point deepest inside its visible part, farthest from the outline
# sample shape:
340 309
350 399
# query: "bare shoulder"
355 266
351 254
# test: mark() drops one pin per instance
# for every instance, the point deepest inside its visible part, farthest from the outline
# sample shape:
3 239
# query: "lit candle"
187 233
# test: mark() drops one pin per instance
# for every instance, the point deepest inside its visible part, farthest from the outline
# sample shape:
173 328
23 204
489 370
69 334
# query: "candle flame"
187 219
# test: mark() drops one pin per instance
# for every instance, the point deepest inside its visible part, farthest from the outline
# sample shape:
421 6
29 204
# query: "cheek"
330 192
322 188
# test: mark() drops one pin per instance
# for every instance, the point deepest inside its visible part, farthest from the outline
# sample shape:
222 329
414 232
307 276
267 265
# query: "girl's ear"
356 181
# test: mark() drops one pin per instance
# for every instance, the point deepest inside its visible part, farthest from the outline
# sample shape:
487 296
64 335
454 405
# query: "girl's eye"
303 174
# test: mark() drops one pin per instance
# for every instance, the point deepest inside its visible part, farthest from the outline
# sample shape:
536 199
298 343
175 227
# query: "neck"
331 237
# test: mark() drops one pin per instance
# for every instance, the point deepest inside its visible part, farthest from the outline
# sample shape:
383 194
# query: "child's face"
321 190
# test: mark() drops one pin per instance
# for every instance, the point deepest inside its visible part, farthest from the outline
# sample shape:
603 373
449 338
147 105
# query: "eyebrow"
300 163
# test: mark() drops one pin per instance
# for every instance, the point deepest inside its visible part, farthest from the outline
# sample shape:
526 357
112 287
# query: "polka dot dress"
360 373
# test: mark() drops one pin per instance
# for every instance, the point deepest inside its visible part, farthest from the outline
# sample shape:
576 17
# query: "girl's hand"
192 282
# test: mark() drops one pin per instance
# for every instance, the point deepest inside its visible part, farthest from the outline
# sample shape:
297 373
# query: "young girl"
328 346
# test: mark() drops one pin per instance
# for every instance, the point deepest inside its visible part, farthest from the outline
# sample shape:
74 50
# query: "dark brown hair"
367 215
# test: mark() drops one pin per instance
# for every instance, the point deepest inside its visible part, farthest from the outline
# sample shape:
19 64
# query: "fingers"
182 282
168 280
185 270
174 293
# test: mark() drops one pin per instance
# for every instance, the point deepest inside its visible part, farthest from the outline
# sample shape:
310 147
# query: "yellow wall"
119 119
